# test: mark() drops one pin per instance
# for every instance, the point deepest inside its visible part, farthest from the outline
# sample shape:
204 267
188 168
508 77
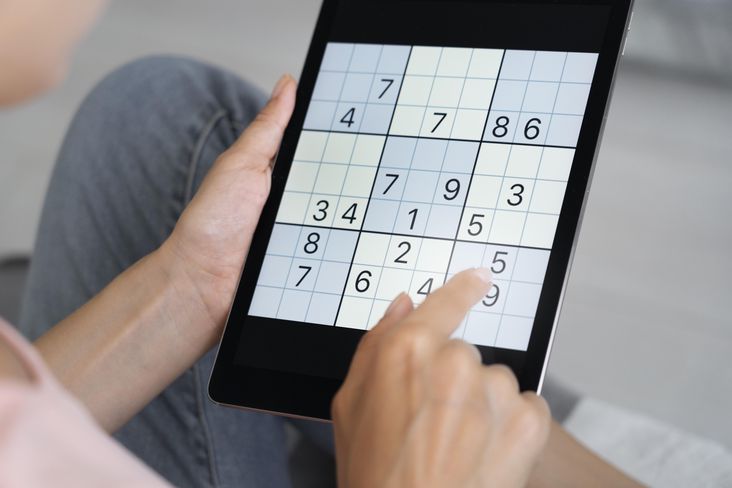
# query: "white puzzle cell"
338 148
294 305
468 124
392 282
424 60
454 62
368 150
311 145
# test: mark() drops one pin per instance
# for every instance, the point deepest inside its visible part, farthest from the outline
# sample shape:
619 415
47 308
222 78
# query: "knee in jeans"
139 91
151 112
165 92
141 116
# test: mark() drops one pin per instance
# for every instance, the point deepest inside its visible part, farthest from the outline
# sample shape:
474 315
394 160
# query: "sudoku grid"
415 163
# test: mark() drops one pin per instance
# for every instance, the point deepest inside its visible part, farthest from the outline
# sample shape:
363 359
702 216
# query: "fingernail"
277 90
484 274
393 305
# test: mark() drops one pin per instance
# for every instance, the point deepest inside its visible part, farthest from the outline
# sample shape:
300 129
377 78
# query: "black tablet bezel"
305 385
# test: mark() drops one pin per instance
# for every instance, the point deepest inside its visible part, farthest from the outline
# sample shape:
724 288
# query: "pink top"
47 438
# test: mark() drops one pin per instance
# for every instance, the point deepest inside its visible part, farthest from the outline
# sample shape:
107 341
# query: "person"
150 212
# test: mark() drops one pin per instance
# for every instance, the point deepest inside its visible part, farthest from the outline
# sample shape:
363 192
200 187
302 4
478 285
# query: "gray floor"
646 318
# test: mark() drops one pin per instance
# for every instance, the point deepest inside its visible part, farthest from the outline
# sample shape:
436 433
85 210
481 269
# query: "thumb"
258 144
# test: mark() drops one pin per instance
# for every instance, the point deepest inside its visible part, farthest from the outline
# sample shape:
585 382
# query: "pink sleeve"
47 438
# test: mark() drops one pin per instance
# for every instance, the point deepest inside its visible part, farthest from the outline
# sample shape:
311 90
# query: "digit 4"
348 117
440 115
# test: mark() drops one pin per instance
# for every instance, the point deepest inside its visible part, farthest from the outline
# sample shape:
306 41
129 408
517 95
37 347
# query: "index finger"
444 309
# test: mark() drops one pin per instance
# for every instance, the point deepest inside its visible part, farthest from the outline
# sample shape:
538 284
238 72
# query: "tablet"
428 137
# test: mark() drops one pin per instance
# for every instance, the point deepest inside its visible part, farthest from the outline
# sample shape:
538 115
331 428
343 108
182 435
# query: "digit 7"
388 82
442 116
394 178
307 270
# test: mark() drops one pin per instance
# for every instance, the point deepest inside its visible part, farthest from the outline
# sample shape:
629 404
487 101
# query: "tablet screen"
415 163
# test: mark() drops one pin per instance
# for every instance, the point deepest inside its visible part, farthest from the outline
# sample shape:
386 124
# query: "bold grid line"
533 191
393 225
442 165
482 141
509 279
411 164
472 174
373 185
531 198
421 237
508 161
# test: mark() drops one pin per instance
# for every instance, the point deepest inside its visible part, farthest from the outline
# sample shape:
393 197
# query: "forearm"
131 341
567 463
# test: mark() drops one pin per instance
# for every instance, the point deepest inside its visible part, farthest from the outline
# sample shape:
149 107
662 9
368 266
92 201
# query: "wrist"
193 289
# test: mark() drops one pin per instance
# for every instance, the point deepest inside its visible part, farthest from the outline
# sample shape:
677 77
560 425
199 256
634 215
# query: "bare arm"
126 345
155 320
567 463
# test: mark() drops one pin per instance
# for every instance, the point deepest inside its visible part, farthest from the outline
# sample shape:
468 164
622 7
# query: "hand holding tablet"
427 138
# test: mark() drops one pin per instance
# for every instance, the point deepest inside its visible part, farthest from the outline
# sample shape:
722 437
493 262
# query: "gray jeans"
133 157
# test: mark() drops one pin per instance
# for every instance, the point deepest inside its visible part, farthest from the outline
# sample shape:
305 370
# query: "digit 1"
413 213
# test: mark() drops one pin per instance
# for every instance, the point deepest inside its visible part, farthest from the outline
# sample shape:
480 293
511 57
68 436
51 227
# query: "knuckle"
369 341
406 346
530 423
459 359
456 368
501 379
338 406
268 122
412 340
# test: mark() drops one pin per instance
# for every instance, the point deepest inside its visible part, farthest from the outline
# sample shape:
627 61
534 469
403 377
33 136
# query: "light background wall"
646 322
